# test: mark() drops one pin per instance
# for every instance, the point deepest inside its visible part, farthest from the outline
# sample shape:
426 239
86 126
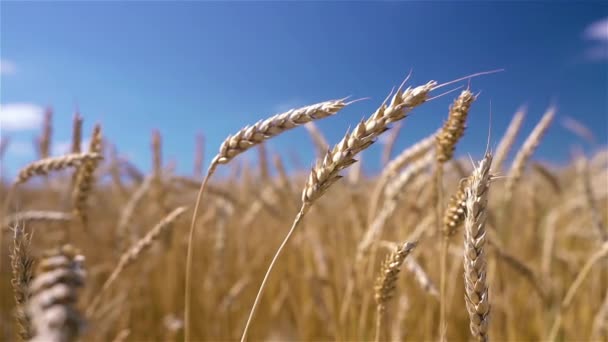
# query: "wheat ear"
133 253
44 141
326 171
48 165
85 178
76 133
387 282
21 265
53 291
476 288
240 142
509 138
526 152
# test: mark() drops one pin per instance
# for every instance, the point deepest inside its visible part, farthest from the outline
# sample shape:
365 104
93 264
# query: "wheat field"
435 247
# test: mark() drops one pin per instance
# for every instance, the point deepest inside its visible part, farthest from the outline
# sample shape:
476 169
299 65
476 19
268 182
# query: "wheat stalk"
36 215
476 288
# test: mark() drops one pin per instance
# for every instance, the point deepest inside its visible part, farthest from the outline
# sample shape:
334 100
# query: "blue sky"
214 67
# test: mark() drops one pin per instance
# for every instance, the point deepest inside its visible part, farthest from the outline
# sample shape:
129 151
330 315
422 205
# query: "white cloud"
597 30
7 67
20 116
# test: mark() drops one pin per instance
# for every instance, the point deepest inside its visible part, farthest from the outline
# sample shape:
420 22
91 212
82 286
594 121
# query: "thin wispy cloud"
20 116
7 67
597 32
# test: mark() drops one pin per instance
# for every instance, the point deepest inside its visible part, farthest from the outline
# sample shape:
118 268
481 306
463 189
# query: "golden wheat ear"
387 282
477 298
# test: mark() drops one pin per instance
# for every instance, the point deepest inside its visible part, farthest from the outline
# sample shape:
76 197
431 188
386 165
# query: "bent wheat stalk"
326 172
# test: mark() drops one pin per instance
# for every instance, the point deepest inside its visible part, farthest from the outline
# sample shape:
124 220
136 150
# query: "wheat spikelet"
85 178
48 165
76 133
387 281
526 151
476 288
54 295
509 138
21 265
36 215
133 253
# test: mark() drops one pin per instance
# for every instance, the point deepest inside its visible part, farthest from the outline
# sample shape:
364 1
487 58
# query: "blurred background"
210 68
